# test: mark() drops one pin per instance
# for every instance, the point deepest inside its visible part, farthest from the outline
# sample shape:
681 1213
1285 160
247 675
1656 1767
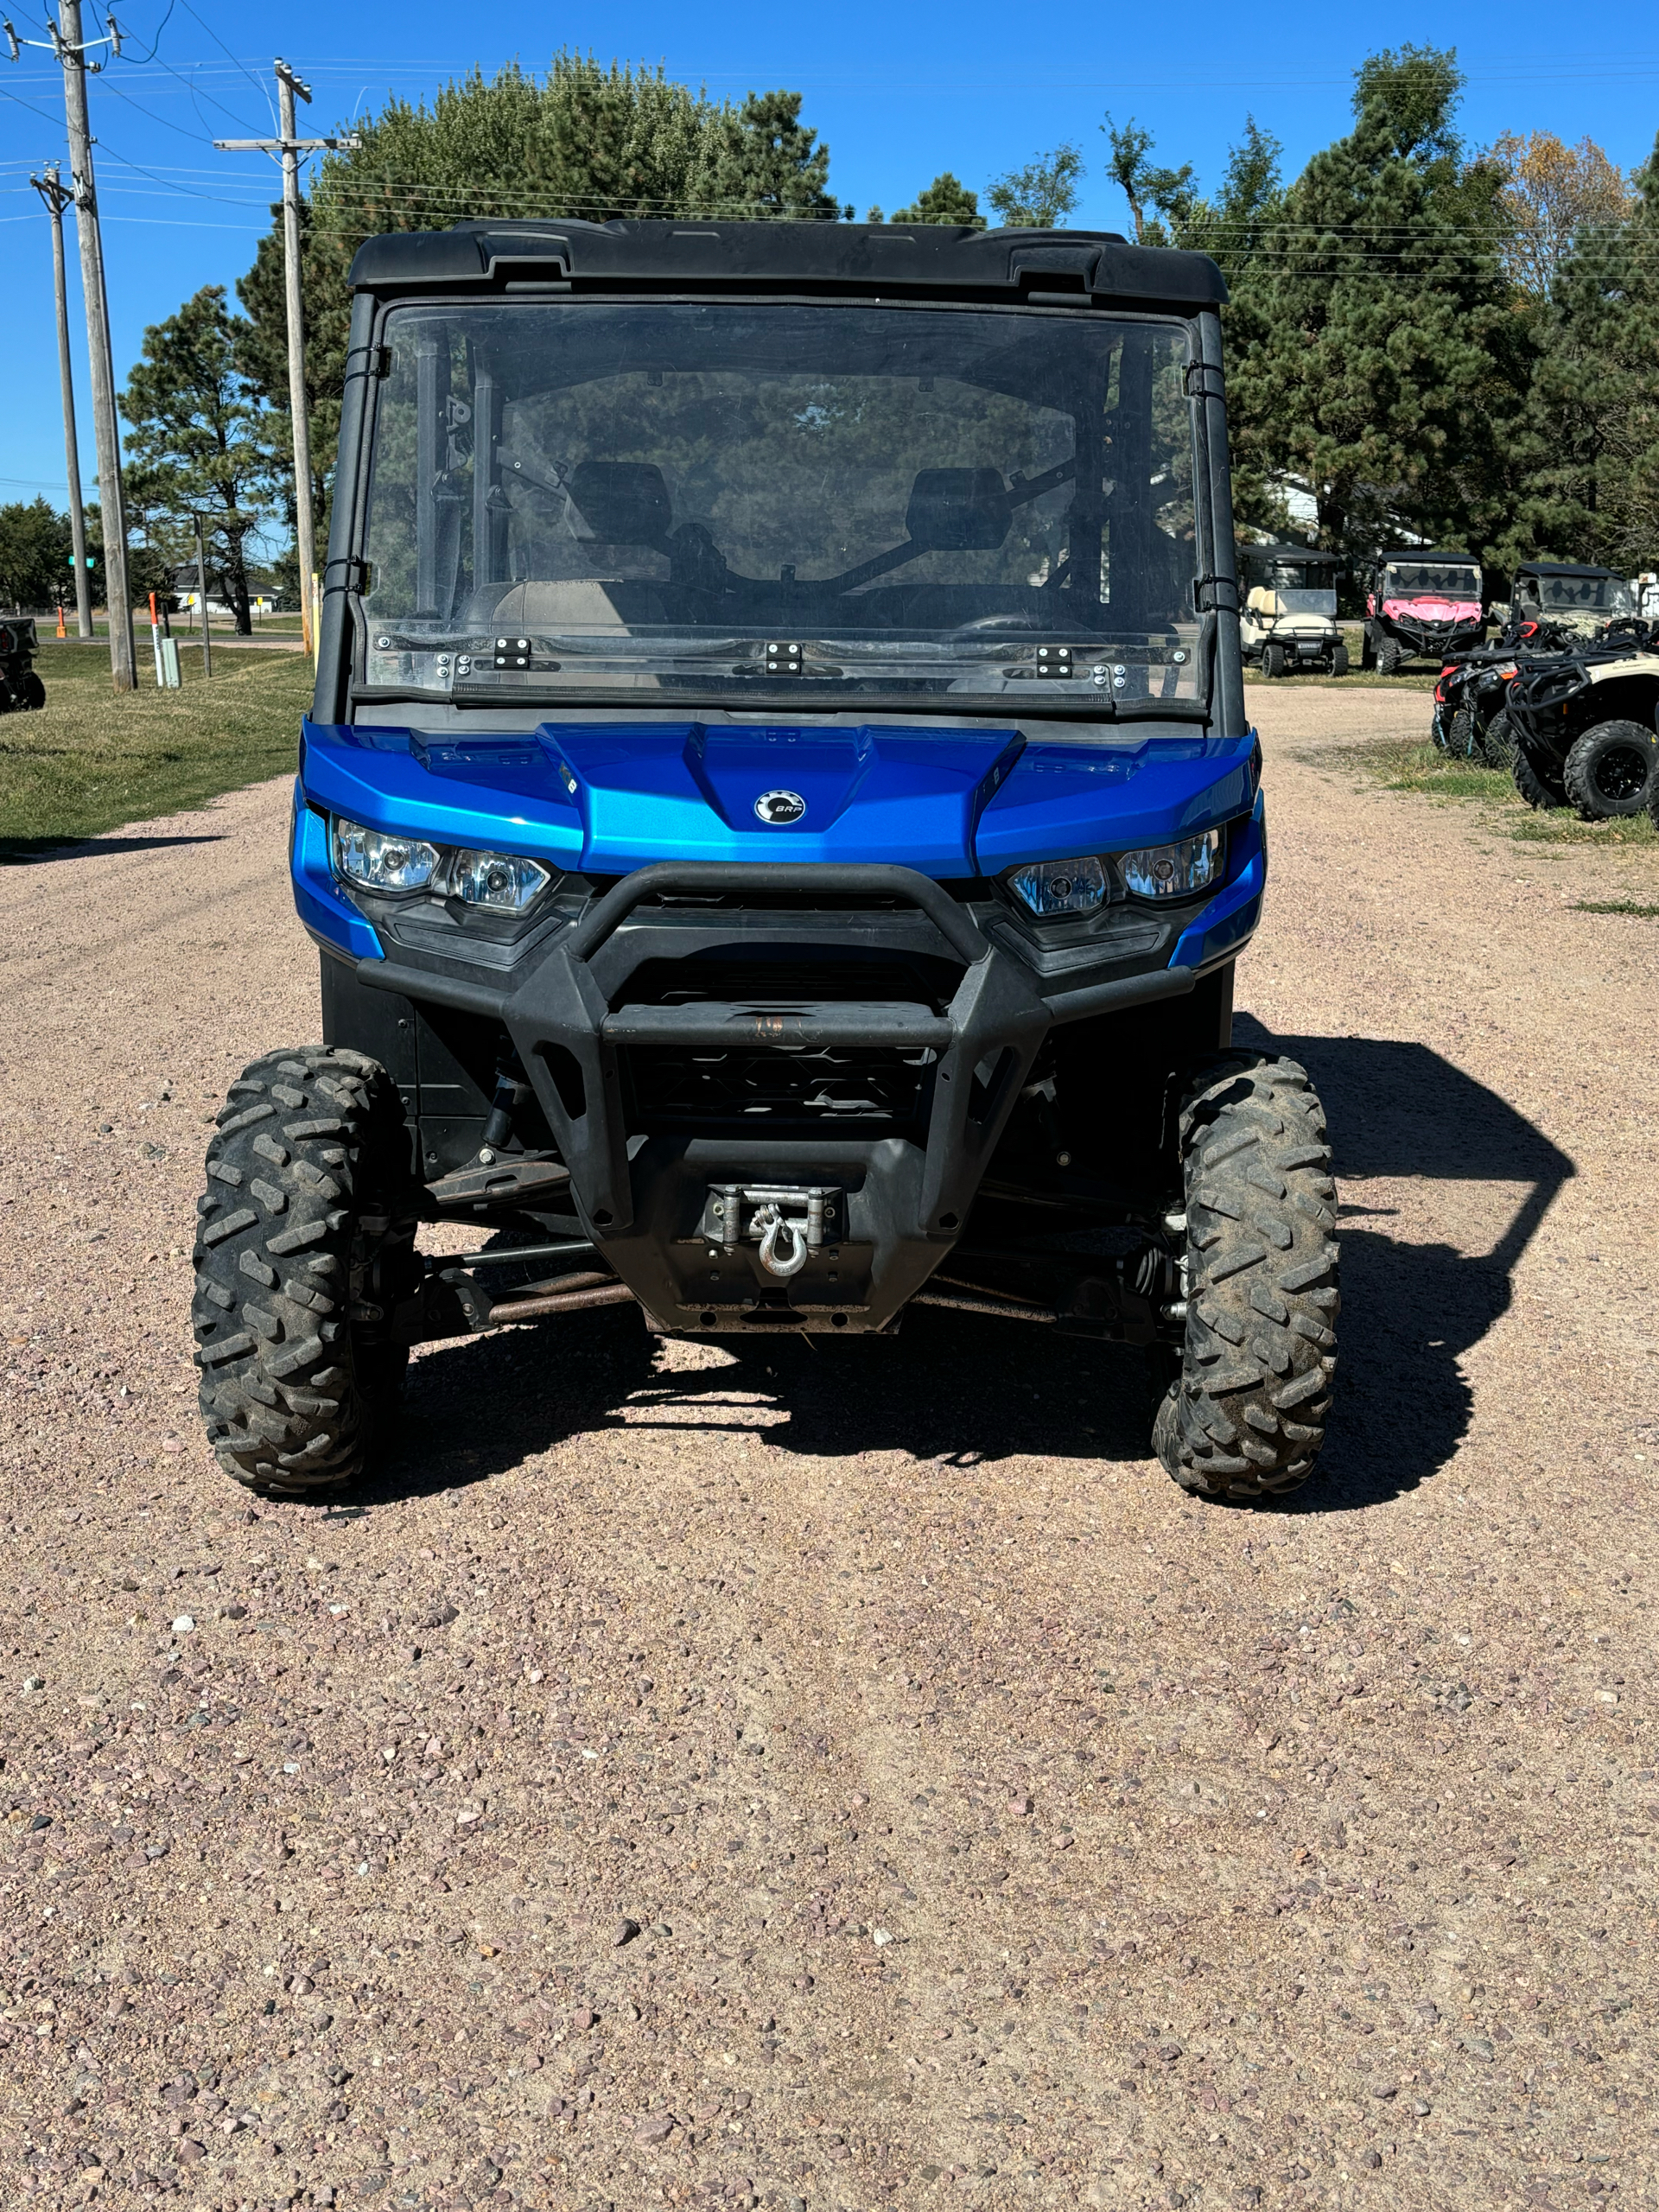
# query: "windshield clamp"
783 660
1054 660
1215 594
1205 381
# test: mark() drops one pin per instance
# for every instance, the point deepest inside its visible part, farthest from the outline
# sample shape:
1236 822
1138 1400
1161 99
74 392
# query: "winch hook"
773 1227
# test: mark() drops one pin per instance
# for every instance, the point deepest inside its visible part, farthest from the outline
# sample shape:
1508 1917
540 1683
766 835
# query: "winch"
788 1221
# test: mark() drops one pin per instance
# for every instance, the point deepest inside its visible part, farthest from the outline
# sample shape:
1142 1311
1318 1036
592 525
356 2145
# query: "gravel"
804 1774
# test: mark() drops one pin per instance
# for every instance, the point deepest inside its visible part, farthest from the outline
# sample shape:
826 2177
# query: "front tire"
1246 1419
1497 742
1611 770
304 1245
1530 782
1339 660
1389 657
1272 658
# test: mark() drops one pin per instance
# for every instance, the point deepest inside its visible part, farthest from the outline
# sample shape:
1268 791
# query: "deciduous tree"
1554 198
1041 195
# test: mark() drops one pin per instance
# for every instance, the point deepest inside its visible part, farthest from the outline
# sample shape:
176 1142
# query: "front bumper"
1429 639
595 1047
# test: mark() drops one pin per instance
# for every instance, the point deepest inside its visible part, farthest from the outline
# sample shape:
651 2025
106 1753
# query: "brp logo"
780 808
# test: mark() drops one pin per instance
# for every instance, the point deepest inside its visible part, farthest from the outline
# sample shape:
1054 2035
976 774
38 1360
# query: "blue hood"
609 798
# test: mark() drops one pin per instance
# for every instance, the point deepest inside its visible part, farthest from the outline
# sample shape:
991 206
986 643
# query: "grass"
90 760
1410 766
1423 676
1616 906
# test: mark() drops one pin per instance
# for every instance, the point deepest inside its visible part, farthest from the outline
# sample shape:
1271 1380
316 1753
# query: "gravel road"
851 1775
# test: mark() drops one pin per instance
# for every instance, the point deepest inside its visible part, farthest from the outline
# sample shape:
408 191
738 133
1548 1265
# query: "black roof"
878 258
1562 568
1253 551
1426 553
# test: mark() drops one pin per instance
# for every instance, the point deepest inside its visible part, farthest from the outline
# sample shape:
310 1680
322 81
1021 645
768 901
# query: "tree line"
1426 342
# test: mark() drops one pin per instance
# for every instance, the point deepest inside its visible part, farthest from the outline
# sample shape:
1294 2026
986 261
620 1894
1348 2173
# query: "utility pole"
57 197
72 51
290 146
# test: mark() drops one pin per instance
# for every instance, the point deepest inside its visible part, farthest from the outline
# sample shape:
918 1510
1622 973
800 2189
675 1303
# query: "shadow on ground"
1410 1311
23 852
964 1391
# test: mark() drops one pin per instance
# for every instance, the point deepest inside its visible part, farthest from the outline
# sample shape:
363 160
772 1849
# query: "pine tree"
35 553
762 164
1377 356
199 442
945 201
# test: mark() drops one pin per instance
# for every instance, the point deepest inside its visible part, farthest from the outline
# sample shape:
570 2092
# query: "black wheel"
1611 770
1389 657
1461 741
1339 660
305 1245
32 691
1540 787
1272 658
1496 741
1246 1419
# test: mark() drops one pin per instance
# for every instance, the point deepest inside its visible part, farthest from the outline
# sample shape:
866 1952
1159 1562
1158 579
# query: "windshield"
716 501
1430 580
1607 596
1304 602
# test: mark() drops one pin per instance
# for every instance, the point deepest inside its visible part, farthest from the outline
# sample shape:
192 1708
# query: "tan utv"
1570 597
1583 727
1288 620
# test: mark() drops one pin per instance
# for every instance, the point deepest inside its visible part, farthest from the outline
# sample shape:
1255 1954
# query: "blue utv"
778 821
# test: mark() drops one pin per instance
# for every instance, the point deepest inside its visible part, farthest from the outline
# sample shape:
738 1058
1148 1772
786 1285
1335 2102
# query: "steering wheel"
993 625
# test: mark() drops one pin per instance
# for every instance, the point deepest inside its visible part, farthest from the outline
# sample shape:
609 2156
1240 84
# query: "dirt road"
851 1776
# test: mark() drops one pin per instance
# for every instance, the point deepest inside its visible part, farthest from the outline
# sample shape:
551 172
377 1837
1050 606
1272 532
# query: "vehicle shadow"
1410 1311
29 852
962 1391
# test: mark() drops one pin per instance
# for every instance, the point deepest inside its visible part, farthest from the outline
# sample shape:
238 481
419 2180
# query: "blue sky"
898 94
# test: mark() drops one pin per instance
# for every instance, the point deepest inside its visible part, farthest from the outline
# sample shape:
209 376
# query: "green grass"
1616 906
1423 677
91 759
1409 766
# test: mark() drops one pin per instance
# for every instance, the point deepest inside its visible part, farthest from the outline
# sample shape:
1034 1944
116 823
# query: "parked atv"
1288 620
1583 727
1579 603
1421 605
20 688
792 873
1469 720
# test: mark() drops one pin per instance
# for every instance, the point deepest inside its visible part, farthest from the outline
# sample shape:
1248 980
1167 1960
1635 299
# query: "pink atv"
1421 605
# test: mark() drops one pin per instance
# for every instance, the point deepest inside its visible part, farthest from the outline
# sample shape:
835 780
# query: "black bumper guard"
630 1198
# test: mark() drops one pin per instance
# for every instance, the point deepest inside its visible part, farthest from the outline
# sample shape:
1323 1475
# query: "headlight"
380 860
1061 887
1171 871
500 880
